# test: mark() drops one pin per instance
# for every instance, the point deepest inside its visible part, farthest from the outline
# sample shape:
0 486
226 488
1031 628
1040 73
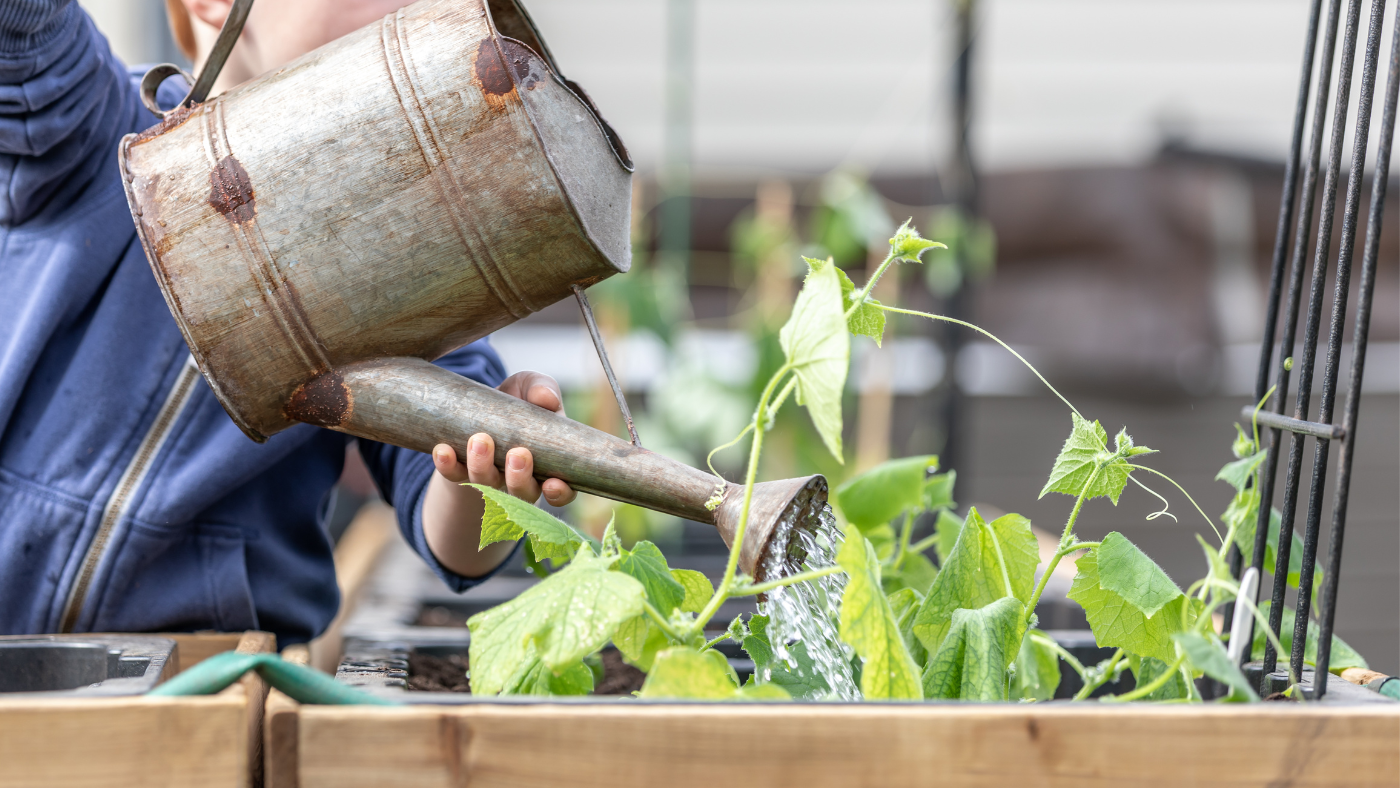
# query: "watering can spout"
411 403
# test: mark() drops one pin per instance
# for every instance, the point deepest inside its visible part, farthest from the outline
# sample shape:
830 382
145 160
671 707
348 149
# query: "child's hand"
452 513
519 478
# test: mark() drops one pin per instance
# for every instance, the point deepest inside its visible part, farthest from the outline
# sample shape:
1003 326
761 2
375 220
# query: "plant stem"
750 477
712 643
924 544
1050 568
859 299
1059 650
800 577
1101 678
662 623
1151 686
990 336
903 539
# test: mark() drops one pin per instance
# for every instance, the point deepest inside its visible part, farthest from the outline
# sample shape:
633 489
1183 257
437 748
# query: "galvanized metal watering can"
324 231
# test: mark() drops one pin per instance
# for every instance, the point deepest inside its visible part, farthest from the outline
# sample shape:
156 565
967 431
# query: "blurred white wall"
808 85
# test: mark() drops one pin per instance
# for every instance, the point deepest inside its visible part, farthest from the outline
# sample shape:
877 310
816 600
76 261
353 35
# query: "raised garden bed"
133 740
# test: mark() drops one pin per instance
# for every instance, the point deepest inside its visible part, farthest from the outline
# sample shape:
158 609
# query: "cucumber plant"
964 628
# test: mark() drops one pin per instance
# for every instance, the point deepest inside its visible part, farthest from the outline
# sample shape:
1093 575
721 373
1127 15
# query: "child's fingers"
557 492
520 475
481 461
446 463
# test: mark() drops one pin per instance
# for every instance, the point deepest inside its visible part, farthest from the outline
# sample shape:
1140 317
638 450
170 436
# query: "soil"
427 673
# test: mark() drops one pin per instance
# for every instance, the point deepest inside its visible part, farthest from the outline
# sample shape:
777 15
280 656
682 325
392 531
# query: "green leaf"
884 540
907 244
507 517
1243 515
985 557
1037 669
1117 623
916 572
1084 450
1147 669
1342 657
570 614
905 605
947 528
819 351
971 662
802 679
880 494
685 673
1210 658
1128 572
1238 473
1244 444
868 319
646 563
869 626
639 639
698 589
938 491
762 692
575 678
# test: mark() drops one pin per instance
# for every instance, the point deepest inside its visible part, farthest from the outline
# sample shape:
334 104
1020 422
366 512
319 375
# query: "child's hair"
180 27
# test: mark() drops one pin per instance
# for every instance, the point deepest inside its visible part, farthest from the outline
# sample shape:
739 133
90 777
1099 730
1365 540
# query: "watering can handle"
607 365
228 36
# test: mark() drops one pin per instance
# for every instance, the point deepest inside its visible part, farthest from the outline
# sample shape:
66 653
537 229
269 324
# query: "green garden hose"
301 683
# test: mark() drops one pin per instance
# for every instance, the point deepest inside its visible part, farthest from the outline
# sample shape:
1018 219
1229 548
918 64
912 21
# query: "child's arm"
65 102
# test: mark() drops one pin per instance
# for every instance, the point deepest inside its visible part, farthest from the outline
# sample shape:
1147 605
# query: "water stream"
808 613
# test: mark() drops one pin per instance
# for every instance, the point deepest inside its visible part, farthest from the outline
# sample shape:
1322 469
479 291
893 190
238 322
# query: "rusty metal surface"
399 192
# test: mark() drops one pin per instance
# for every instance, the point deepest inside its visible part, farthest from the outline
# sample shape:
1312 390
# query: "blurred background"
1106 174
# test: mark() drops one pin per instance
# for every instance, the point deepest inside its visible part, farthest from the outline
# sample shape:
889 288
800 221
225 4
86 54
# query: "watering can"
323 232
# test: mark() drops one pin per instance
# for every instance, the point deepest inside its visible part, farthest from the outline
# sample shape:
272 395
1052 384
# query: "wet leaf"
882 493
1037 669
800 679
685 673
971 662
575 678
1118 623
938 491
819 350
869 626
639 639
1208 656
698 589
507 518
646 563
985 557
566 616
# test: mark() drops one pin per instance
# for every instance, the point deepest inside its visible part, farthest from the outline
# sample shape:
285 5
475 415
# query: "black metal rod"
1346 244
1327 600
1315 429
607 365
1290 327
1288 200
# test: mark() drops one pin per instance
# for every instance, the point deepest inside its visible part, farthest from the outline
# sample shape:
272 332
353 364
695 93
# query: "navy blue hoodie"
129 501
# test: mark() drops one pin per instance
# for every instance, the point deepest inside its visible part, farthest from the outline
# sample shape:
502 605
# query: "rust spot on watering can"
494 74
325 401
231 192
171 121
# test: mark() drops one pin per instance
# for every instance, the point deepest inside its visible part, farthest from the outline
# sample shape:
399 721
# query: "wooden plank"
777 746
137 740
355 556
280 730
